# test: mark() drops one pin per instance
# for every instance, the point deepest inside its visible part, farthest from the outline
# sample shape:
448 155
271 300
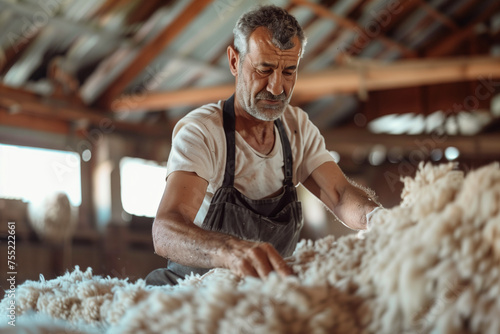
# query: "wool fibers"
428 265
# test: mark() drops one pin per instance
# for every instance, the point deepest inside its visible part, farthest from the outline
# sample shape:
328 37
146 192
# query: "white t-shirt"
199 145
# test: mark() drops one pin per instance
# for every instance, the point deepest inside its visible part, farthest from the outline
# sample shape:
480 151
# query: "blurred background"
90 91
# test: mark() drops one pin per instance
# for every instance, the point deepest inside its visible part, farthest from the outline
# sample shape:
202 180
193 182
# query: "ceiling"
144 64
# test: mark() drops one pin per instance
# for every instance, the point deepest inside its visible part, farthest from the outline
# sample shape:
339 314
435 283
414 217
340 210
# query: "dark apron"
276 220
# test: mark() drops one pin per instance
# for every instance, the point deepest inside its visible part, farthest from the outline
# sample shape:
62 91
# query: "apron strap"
287 153
229 121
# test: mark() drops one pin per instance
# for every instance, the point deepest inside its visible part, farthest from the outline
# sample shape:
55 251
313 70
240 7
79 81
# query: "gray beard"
268 114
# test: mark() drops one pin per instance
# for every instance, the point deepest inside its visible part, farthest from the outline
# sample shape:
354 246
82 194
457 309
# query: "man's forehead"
260 45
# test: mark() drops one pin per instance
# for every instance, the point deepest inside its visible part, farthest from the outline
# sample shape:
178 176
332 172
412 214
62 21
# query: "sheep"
430 264
53 218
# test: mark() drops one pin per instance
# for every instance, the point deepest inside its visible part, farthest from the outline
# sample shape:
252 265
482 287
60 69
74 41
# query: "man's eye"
265 71
288 73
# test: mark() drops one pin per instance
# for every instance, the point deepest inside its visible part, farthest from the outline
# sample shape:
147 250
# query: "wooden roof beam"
451 43
349 24
223 51
151 50
105 8
347 139
310 55
24 105
143 10
9 56
438 15
31 122
369 76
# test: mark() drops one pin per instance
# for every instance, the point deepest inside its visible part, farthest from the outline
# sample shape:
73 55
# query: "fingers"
259 259
264 259
246 269
278 263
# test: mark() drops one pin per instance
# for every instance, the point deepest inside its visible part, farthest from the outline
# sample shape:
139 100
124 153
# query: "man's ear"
234 58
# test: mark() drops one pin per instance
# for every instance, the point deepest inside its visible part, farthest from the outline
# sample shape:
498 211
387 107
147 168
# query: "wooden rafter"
452 42
349 24
357 9
407 9
311 55
329 39
438 15
182 97
464 8
310 21
105 8
425 24
14 52
24 105
346 140
222 53
143 10
370 76
150 51
33 122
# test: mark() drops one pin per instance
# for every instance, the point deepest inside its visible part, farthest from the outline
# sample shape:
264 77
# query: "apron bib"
276 220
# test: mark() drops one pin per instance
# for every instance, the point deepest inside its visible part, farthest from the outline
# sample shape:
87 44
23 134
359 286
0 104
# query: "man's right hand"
257 259
176 237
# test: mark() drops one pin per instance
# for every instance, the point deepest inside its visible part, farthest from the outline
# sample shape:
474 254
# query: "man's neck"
258 134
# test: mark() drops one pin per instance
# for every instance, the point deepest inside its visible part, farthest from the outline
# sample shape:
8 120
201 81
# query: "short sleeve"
192 150
314 152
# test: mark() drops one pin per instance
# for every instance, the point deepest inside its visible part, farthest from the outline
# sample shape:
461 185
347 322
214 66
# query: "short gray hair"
283 27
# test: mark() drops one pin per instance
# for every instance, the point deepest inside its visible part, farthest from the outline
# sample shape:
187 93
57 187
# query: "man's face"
266 76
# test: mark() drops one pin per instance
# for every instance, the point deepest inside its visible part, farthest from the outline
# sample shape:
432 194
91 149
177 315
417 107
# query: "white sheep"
53 218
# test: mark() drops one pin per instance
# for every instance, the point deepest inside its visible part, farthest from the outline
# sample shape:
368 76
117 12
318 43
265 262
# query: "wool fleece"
428 265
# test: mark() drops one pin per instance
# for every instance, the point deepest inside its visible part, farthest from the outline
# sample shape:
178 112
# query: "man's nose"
275 83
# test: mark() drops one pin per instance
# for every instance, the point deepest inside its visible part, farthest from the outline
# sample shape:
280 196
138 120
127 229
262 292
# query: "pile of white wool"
429 265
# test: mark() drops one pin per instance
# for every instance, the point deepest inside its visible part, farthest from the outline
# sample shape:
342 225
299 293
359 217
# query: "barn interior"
91 90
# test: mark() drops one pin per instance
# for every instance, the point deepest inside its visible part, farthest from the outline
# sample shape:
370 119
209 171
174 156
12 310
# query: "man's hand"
176 237
257 259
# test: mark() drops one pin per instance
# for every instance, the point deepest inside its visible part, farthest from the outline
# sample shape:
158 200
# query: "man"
230 197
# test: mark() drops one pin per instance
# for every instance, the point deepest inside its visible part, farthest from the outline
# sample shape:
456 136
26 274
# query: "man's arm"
349 203
175 236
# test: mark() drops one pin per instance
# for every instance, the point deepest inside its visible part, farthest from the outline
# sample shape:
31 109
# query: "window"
142 185
30 173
